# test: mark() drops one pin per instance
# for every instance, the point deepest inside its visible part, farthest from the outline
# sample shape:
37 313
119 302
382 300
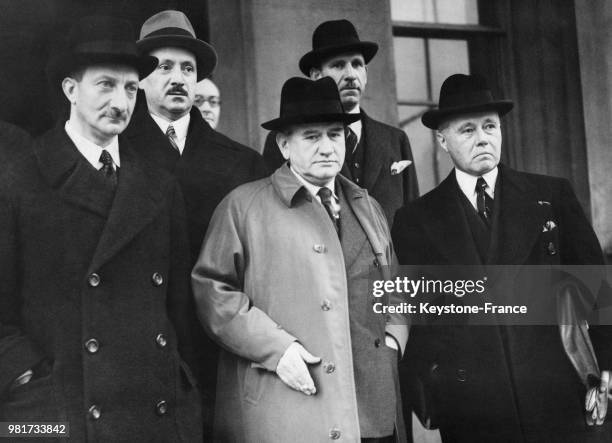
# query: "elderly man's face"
102 100
208 101
170 88
473 141
315 150
350 74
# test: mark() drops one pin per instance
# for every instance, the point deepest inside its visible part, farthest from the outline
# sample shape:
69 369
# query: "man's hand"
597 401
293 371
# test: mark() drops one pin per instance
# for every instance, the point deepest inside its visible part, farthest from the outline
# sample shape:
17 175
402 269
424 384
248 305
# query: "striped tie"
107 167
171 134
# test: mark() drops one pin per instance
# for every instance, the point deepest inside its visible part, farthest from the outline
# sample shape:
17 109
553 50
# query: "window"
432 40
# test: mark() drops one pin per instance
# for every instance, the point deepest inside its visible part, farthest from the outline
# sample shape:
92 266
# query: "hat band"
466 98
170 31
107 46
315 107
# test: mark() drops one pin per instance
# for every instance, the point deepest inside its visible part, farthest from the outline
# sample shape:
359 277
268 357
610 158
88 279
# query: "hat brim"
283 122
62 65
206 57
434 117
314 58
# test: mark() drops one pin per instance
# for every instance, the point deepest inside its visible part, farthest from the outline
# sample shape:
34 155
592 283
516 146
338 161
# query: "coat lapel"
76 180
374 145
137 202
519 224
352 237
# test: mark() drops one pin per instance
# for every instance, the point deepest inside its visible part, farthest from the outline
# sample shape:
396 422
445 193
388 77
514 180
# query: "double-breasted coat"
94 296
272 271
383 145
499 383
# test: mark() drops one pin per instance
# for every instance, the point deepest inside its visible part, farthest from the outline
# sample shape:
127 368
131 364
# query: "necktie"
326 198
351 141
171 134
484 203
107 167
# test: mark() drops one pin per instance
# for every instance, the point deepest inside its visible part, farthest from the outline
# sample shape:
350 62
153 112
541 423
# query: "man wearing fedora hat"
282 285
169 130
494 383
378 156
94 296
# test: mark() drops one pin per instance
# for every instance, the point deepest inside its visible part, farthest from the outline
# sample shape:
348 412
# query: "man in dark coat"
494 383
15 143
170 132
378 156
94 302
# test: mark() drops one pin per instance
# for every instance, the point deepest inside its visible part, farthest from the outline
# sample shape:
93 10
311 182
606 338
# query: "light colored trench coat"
270 263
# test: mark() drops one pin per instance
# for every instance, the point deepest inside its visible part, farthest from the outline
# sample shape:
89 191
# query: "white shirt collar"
314 189
356 126
467 183
180 128
90 150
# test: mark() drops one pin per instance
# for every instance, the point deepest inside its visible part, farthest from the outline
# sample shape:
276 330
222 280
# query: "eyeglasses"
213 101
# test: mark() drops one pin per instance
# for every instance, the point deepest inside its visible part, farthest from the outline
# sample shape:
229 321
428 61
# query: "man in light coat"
282 285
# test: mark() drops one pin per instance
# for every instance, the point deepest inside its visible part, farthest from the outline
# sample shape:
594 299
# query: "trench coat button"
434 368
461 375
319 249
356 165
376 263
92 345
161 408
157 279
329 367
94 412
551 249
334 433
161 340
279 327
357 180
326 305
377 342
93 280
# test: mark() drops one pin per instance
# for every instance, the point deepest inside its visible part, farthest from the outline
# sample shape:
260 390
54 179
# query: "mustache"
350 85
117 114
178 89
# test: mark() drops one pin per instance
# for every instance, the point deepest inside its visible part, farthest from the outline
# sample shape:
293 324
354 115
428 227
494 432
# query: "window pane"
435 11
410 69
447 57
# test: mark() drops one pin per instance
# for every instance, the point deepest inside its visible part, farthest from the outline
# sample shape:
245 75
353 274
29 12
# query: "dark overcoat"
383 145
94 296
498 383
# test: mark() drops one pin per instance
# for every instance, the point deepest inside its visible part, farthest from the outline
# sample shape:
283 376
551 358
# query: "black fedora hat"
461 94
310 101
95 40
332 38
173 29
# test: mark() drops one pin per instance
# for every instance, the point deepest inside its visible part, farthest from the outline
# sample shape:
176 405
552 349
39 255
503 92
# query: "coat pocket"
253 383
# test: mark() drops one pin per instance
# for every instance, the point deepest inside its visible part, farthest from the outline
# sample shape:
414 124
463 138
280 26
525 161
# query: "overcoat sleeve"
18 353
225 310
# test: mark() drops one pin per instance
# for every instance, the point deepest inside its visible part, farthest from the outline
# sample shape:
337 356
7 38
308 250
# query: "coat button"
93 280
94 412
161 340
329 367
434 368
356 164
326 305
319 249
377 342
161 408
357 180
551 249
461 375
376 263
92 345
157 279
335 434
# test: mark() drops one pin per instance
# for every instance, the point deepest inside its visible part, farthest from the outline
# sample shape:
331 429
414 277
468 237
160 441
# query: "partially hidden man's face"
208 101
473 141
315 150
102 100
170 88
350 73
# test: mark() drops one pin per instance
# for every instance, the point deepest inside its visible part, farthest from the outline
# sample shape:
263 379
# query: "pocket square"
543 202
398 167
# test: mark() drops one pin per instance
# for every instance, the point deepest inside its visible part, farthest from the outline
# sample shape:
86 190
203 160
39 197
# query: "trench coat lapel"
519 224
66 170
137 202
